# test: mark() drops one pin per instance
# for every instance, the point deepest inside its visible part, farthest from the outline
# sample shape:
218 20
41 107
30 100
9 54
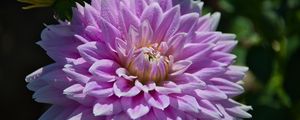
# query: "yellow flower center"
149 65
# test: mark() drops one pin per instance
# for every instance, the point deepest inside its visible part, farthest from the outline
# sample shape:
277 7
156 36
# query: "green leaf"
63 8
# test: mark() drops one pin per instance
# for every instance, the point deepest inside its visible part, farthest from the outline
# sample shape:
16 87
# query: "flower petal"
168 88
165 4
209 110
128 18
73 89
110 33
84 113
104 70
123 87
180 67
146 88
225 46
168 25
222 57
57 112
188 6
211 93
152 14
235 73
238 112
188 22
51 95
135 106
98 91
194 51
138 111
109 106
157 100
207 73
229 88
109 10
185 103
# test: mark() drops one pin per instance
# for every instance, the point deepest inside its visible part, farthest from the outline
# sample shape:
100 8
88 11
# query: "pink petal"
153 14
207 37
185 103
225 46
157 100
137 6
180 67
122 72
209 110
168 24
188 22
207 73
74 89
110 33
211 93
194 51
83 113
121 116
94 51
128 18
235 74
146 88
176 43
109 10
74 75
122 87
165 4
168 88
231 89
135 106
238 112
222 57
98 91
91 15
93 33
51 95
104 70
107 107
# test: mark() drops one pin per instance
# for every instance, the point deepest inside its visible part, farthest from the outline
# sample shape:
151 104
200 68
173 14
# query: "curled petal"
135 106
157 100
98 91
104 70
110 106
93 51
123 87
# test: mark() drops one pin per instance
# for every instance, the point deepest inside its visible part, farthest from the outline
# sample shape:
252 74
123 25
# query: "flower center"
149 65
151 55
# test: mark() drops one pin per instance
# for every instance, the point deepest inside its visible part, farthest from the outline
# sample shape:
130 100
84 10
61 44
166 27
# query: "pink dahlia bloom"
139 59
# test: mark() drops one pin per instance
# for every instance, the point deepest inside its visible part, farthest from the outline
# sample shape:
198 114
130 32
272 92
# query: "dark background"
19 56
267 30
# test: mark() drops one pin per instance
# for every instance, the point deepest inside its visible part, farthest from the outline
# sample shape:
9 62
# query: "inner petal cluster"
149 64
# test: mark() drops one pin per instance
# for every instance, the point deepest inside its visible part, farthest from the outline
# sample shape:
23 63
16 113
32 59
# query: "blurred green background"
268 32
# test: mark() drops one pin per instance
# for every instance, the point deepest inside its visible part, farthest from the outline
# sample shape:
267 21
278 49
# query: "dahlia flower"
139 59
